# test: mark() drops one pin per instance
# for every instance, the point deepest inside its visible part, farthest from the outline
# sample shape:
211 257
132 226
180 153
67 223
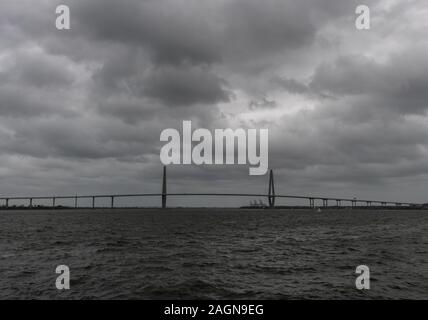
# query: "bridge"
271 196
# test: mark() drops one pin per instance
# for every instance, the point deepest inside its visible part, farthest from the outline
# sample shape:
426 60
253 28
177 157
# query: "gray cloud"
27 103
173 33
36 69
83 109
263 103
400 83
186 86
291 85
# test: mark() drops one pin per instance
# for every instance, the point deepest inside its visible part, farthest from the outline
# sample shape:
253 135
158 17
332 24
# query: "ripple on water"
214 254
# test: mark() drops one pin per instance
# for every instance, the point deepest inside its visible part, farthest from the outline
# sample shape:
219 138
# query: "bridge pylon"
164 188
271 194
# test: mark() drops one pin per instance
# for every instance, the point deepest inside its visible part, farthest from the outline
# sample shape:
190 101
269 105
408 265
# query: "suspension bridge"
271 196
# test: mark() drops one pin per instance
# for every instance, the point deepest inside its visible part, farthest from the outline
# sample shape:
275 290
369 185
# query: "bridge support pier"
93 202
31 203
338 203
164 193
271 194
311 202
75 202
53 202
7 203
325 202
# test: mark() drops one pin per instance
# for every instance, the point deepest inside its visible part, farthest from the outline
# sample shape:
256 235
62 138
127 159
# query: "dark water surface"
213 253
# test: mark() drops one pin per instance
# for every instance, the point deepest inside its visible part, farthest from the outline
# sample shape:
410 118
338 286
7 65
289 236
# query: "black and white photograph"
213 150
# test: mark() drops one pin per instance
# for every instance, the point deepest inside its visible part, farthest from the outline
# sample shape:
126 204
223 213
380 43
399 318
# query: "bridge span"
271 196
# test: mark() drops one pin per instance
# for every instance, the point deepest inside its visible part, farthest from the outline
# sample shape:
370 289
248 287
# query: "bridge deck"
271 196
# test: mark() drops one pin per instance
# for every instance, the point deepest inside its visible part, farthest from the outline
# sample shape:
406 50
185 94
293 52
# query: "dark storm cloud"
214 32
27 103
344 139
130 111
30 83
78 139
172 32
36 69
401 83
185 86
84 108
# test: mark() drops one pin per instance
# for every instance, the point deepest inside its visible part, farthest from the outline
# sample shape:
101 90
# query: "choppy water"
214 253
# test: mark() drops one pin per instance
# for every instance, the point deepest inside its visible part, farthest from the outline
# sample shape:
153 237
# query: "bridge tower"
271 195
164 188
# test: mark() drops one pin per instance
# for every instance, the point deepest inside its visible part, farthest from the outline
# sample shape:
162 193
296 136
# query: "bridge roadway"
112 197
271 196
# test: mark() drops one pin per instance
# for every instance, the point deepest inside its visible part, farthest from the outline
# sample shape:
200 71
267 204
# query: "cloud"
26 103
291 85
185 86
173 33
263 103
34 68
398 84
83 109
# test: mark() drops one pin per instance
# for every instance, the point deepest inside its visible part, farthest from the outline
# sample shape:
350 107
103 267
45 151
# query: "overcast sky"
81 110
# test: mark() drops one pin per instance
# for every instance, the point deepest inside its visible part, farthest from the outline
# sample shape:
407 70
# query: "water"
213 254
